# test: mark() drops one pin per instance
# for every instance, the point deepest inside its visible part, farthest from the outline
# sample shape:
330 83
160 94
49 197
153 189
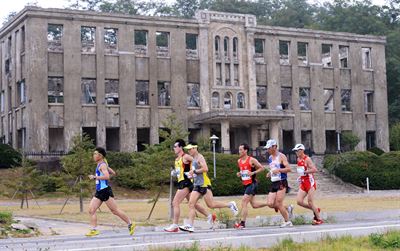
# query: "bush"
376 150
5 218
9 157
49 183
119 160
349 141
395 137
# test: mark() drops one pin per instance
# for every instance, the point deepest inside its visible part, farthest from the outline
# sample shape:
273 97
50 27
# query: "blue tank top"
100 184
275 164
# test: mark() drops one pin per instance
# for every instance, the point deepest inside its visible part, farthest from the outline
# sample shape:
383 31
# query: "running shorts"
104 194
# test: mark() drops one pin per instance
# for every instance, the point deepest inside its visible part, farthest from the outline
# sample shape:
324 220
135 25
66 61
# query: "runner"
308 185
279 167
202 187
249 167
185 186
104 194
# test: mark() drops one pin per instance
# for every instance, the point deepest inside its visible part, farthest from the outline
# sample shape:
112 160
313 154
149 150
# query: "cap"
270 143
190 146
298 147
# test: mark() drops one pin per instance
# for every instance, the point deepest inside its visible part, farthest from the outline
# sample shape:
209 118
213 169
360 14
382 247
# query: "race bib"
245 174
97 182
275 176
300 170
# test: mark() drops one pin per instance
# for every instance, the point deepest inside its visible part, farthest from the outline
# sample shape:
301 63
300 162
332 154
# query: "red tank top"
301 167
245 170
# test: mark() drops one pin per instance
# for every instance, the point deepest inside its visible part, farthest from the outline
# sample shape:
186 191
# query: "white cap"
298 147
270 143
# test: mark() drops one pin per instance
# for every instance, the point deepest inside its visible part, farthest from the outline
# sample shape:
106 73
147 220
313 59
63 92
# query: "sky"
17 5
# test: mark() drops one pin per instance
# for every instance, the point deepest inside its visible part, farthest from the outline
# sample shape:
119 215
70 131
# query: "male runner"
279 167
185 185
308 185
104 194
202 187
249 167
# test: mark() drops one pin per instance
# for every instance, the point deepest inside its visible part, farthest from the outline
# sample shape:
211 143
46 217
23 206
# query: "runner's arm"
238 173
311 168
203 165
187 158
259 168
284 162
111 171
106 175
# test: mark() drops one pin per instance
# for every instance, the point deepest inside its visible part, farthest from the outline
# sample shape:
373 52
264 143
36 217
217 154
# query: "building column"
274 130
204 74
153 91
205 131
225 140
100 88
254 136
251 69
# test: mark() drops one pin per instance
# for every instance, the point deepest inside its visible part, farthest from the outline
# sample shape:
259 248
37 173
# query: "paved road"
251 237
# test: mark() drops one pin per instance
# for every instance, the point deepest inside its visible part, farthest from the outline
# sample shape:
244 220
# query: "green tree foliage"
395 137
349 141
9 157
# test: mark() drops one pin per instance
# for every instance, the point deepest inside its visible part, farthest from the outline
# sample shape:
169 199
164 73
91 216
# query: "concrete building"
117 77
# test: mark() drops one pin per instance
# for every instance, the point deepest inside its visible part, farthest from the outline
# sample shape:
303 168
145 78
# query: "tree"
77 165
9 157
349 141
395 137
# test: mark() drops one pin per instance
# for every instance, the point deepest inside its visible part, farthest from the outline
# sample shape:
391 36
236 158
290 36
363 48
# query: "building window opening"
88 39
88 91
236 74
143 138
191 46
346 100
219 74
55 92
369 101
227 74
215 100
344 56
227 100
110 40
259 46
366 58
261 97
112 92
112 139
326 55
329 104
217 49
304 99
54 37
141 42
306 139
302 53
330 139
2 101
22 39
56 139
21 138
284 52
7 67
162 43
91 132
164 93
235 48
286 98
371 139
193 95
226 48
21 92
142 92
240 100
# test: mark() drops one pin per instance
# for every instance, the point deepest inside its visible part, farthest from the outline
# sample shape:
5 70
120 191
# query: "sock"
243 223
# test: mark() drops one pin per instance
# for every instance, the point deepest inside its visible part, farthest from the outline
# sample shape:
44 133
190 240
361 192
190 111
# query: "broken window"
240 100
2 103
193 95
142 92
91 132
112 91
286 98
227 74
215 100
217 49
88 39
366 58
235 48
369 101
21 92
56 139
302 53
191 46
306 139
219 74
343 56
55 93
326 55
329 104
112 139
88 91
7 66
226 48
110 40
141 42
330 141
21 138
346 100
371 139
284 52
22 39
162 43
9 43
261 97
304 99
227 100
54 37
259 45
164 93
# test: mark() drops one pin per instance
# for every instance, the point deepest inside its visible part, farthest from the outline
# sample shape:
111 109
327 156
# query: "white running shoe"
187 228
287 224
172 228
233 208
290 211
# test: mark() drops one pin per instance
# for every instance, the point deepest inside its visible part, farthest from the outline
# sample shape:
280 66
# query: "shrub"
119 160
9 157
349 141
395 137
5 218
376 150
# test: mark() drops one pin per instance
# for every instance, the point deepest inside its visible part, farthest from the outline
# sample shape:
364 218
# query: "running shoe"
233 208
211 218
173 228
93 232
317 222
290 211
131 228
239 225
319 211
187 228
286 224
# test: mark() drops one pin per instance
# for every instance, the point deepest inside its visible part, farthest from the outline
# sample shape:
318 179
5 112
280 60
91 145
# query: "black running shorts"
279 185
104 194
251 189
185 183
201 190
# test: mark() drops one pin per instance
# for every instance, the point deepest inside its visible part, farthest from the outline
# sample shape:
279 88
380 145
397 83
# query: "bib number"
245 174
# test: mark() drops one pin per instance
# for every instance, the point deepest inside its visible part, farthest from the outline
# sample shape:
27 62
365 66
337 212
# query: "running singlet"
275 164
306 180
181 168
202 179
100 184
245 169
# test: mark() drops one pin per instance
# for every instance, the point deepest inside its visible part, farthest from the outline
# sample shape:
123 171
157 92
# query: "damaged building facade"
118 77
